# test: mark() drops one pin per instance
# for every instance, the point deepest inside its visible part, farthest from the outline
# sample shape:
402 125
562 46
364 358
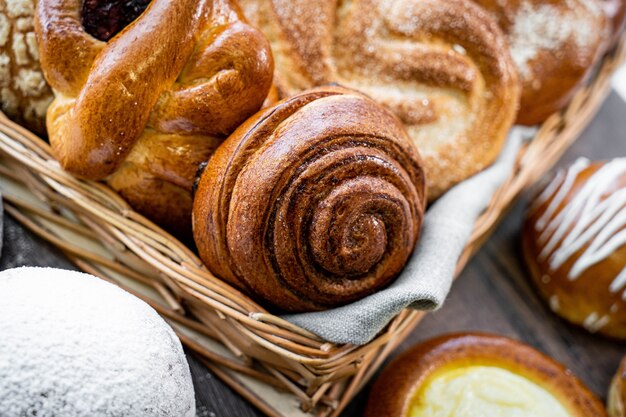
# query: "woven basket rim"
146 253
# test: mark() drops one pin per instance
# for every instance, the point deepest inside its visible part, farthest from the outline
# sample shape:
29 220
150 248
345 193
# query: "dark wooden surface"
491 295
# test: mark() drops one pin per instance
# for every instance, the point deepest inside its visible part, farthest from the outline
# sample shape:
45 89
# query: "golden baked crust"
616 401
442 66
312 203
24 93
615 11
554 44
394 391
574 246
145 108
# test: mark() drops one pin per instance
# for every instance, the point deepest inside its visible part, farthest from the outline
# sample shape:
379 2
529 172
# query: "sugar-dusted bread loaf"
555 44
442 66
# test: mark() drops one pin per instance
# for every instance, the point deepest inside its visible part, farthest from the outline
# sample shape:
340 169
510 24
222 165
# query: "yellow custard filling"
484 391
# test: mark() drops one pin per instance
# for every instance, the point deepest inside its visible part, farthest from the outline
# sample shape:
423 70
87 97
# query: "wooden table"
491 295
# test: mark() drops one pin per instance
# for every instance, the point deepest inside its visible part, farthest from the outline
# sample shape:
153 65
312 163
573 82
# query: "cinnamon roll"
574 244
312 203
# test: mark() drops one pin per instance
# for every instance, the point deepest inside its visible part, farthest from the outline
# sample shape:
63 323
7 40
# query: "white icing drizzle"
554 303
561 187
547 192
594 322
594 219
619 282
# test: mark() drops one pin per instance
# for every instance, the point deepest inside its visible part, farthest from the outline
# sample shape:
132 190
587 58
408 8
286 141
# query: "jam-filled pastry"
442 66
555 44
24 93
574 244
470 375
142 106
312 203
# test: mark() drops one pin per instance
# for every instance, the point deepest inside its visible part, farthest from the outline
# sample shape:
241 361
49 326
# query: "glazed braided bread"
143 109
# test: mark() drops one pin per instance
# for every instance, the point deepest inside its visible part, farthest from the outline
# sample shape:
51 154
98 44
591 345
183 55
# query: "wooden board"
491 295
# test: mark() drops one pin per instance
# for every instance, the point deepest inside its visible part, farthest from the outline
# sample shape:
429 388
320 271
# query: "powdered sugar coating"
540 27
72 345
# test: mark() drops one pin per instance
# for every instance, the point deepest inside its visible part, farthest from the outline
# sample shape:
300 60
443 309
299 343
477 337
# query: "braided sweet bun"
24 93
574 244
616 401
442 66
555 45
313 203
145 108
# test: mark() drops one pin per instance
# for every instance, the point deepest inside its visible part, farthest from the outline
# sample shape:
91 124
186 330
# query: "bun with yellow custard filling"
465 375
617 393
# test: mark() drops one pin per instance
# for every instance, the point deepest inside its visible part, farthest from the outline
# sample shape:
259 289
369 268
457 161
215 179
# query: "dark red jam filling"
103 19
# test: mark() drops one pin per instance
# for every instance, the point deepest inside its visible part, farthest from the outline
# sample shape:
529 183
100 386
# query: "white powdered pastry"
72 345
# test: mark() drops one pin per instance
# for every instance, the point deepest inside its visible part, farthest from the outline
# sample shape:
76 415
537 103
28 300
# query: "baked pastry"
145 108
74 345
554 44
467 375
442 66
615 10
574 244
24 93
616 401
313 203
104 19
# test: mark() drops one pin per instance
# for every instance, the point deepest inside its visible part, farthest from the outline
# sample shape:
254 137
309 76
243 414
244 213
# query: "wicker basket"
279 367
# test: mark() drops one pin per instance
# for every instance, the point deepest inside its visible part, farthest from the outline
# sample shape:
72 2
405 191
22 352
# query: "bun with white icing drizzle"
574 243
72 345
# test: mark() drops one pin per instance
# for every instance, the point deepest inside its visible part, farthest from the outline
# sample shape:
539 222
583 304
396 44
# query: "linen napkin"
426 280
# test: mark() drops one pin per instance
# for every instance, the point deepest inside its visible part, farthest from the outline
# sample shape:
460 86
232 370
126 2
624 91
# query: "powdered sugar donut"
73 345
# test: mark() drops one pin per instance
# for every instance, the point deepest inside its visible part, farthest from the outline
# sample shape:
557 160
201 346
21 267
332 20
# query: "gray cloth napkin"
426 280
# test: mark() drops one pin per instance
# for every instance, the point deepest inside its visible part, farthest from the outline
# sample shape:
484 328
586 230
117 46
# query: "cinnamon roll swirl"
312 203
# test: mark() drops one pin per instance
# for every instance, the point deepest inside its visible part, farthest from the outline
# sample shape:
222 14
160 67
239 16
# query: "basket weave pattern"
323 376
